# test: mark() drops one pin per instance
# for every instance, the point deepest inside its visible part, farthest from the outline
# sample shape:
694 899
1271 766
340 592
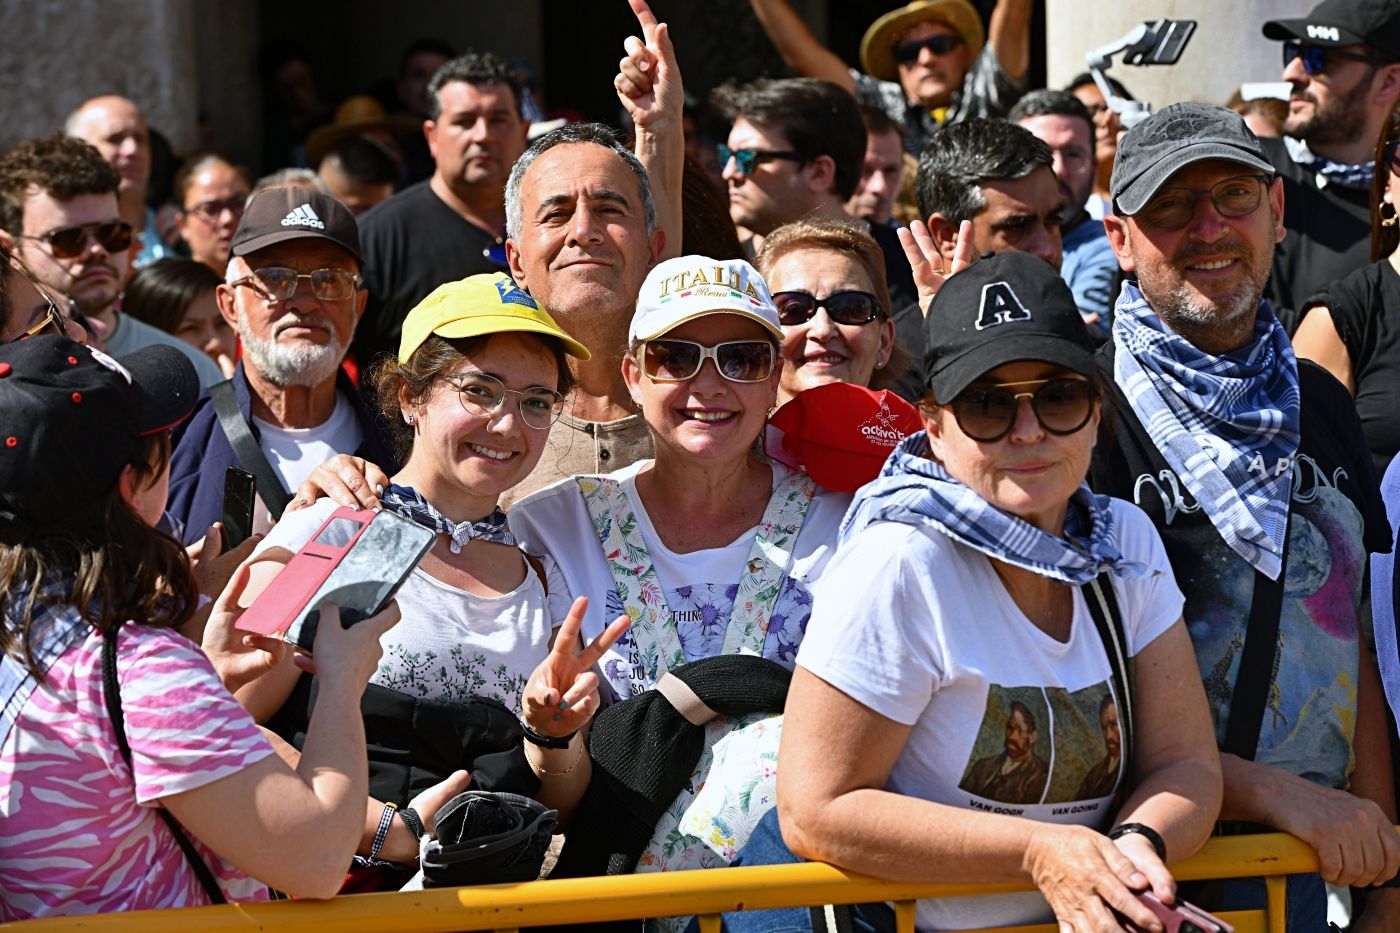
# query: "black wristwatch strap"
412 821
547 741
1147 832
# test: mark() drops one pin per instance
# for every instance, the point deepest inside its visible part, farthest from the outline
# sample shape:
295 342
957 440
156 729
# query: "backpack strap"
111 693
247 449
1257 658
1108 619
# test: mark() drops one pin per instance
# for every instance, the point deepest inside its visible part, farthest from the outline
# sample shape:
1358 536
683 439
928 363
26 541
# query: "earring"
1388 214
409 418
880 362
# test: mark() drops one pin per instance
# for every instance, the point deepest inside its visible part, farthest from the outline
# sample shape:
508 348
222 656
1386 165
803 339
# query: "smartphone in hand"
240 490
1181 917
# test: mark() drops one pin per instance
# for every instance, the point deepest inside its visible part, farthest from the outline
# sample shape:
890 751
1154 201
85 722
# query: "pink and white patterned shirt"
79 832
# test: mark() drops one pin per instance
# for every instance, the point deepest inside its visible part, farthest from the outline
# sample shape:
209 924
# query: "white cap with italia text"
688 287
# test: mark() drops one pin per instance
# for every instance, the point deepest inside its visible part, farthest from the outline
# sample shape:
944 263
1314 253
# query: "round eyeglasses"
988 413
485 395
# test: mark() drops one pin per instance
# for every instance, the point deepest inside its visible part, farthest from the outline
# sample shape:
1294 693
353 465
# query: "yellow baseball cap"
478 305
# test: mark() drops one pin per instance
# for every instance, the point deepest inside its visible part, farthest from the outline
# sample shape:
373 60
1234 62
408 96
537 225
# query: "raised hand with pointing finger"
648 84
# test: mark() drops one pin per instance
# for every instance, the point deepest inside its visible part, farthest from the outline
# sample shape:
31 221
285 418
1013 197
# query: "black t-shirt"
908 319
1365 308
1337 518
412 243
1329 235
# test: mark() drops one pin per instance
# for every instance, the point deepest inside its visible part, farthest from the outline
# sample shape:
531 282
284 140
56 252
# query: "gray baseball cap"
1173 138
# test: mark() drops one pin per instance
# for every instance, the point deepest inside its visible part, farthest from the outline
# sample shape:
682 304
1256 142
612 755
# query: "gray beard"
305 365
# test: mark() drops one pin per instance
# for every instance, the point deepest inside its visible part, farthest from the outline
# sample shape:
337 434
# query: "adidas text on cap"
285 212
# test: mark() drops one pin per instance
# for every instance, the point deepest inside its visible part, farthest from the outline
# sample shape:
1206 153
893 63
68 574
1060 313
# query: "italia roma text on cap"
687 287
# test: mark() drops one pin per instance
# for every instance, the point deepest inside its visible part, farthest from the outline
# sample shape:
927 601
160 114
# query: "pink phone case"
1182 917
278 605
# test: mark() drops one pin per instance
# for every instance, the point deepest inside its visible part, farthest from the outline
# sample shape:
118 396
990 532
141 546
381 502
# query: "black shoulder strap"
1252 684
247 450
1108 619
111 693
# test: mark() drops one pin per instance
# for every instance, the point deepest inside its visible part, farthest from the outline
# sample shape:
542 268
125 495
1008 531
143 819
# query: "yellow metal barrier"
510 907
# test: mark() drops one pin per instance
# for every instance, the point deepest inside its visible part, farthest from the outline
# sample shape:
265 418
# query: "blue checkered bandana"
409 502
1228 425
54 627
914 490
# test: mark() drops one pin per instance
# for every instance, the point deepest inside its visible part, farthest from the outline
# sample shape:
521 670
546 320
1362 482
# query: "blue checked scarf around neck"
1228 425
1342 174
915 490
406 501
55 626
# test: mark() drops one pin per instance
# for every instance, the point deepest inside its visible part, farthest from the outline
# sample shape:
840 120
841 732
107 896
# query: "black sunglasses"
907 53
796 308
988 413
69 242
748 159
1316 57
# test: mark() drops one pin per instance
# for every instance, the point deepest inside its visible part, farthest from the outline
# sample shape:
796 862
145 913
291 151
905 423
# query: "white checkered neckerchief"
408 502
1357 176
1228 425
914 490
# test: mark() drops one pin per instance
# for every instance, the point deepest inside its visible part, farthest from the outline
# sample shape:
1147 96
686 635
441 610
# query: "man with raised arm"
926 65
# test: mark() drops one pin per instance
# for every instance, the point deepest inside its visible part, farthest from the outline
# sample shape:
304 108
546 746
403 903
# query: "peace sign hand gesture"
926 261
562 693
649 81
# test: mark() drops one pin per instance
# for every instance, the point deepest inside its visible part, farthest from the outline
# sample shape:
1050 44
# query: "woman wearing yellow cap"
478 381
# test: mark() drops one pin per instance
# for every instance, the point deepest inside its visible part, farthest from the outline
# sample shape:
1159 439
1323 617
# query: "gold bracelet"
578 756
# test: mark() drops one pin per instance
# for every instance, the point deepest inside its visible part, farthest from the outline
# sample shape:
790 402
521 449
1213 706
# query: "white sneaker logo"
303 216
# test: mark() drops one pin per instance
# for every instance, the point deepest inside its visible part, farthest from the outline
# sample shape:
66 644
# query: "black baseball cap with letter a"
1002 309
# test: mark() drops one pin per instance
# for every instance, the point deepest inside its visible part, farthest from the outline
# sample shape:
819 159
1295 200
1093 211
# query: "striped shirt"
78 829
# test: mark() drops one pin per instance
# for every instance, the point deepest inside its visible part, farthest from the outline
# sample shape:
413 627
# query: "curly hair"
60 165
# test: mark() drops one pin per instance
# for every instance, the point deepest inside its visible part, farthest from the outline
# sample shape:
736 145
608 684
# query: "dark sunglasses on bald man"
1316 57
988 413
796 308
907 53
69 242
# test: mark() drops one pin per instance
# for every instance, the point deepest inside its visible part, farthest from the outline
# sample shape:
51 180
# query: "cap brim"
1281 30
877 47
482 325
948 380
1140 190
281 236
673 324
167 386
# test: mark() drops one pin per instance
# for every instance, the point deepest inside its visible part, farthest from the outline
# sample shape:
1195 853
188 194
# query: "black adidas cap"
289 212
1002 309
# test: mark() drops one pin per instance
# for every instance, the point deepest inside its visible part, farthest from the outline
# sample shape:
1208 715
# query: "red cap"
842 434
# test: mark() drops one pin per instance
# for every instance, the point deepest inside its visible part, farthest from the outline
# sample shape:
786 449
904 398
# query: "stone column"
53 56
1227 49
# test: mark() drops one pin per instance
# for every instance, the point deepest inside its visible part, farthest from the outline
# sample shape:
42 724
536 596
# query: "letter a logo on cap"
1000 306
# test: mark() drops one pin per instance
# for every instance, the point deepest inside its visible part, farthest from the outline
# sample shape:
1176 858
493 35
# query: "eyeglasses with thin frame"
53 320
853 308
278 283
1316 57
1172 208
483 394
69 242
668 360
988 413
749 159
212 210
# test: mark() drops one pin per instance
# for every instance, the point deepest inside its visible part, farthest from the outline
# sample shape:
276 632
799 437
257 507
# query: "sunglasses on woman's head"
988 413
667 360
850 307
69 242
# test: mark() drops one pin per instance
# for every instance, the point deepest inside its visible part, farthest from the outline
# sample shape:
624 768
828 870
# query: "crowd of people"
929 475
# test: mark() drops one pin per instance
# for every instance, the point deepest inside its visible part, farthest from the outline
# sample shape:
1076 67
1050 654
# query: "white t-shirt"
295 452
699 587
921 630
450 644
